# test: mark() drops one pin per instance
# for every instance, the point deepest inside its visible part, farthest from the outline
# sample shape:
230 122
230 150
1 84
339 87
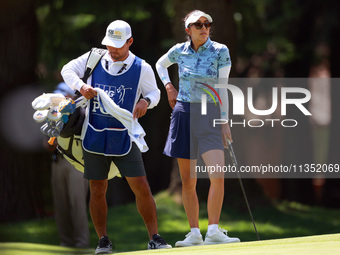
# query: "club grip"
232 154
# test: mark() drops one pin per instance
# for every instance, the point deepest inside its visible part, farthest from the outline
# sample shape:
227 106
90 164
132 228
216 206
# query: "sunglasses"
199 25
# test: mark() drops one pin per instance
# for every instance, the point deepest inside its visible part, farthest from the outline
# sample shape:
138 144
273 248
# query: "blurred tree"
266 39
22 172
18 44
332 186
279 39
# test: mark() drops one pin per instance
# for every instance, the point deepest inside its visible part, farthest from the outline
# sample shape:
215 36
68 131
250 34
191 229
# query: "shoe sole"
209 243
188 245
159 248
102 251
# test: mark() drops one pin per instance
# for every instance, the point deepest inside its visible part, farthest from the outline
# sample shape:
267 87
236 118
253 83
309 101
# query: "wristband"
147 100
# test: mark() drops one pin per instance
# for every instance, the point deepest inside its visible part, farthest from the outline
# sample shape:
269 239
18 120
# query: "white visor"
195 16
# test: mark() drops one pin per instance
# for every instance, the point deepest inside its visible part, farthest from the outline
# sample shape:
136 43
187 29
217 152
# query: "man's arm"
72 73
148 85
150 92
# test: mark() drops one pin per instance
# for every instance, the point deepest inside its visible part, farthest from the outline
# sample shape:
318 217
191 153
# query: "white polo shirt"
147 87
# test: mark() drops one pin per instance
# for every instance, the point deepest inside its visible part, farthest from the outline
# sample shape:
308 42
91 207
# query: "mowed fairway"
320 245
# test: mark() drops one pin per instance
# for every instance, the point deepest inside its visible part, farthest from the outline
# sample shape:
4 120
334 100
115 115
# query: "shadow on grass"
127 230
29 248
273 221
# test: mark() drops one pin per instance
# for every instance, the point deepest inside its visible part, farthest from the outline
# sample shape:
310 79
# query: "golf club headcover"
47 100
50 115
53 110
54 114
67 106
40 116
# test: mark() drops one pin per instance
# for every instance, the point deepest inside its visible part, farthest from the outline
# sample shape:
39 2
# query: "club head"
44 128
59 125
40 116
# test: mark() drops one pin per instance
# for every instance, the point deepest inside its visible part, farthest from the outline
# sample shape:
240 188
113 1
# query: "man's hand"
140 109
88 91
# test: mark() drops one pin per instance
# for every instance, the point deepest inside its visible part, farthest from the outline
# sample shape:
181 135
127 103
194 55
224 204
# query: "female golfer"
201 64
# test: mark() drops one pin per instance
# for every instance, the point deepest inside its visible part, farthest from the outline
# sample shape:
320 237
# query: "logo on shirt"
116 93
121 93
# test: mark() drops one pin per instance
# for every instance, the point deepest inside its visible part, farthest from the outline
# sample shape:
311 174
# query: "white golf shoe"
191 239
220 237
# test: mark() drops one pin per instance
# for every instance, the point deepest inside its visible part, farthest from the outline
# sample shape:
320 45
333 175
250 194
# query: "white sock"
212 229
196 231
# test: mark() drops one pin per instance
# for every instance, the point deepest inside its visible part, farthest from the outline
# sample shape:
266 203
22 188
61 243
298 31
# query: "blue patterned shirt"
199 67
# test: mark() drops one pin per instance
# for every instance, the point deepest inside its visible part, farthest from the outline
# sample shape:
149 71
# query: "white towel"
135 130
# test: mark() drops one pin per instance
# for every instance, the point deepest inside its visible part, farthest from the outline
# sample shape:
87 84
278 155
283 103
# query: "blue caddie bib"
105 134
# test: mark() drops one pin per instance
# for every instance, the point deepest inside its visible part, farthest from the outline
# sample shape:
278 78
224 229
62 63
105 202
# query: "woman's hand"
172 94
226 134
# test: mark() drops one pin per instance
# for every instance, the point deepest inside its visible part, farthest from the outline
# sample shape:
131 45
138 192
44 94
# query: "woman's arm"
162 69
223 75
224 108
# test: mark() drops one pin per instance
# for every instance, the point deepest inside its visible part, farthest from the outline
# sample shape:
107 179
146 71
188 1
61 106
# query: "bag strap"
95 56
92 61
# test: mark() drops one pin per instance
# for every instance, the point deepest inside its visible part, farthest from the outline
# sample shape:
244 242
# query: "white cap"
117 33
195 16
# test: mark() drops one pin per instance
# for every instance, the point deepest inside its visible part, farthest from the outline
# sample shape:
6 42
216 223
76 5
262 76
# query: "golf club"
233 159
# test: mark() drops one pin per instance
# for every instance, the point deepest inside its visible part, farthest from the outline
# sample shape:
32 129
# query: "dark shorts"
97 166
191 133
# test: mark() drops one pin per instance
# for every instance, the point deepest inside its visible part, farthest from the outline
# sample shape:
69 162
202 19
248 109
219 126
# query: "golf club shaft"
233 159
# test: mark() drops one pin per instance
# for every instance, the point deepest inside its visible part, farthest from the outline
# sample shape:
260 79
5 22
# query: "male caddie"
124 77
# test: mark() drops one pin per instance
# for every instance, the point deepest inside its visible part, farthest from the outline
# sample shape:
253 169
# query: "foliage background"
266 38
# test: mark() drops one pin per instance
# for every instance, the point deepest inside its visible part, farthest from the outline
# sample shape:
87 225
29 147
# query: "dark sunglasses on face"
199 25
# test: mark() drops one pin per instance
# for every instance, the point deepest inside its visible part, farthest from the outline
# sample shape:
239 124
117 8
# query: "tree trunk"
332 186
298 141
24 182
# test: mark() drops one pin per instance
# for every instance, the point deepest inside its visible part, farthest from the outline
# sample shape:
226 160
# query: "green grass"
128 233
39 249
312 245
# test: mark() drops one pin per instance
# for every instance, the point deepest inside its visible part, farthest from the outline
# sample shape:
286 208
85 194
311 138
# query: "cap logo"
114 34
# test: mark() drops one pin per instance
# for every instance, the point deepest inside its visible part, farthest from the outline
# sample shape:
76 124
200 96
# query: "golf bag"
69 143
